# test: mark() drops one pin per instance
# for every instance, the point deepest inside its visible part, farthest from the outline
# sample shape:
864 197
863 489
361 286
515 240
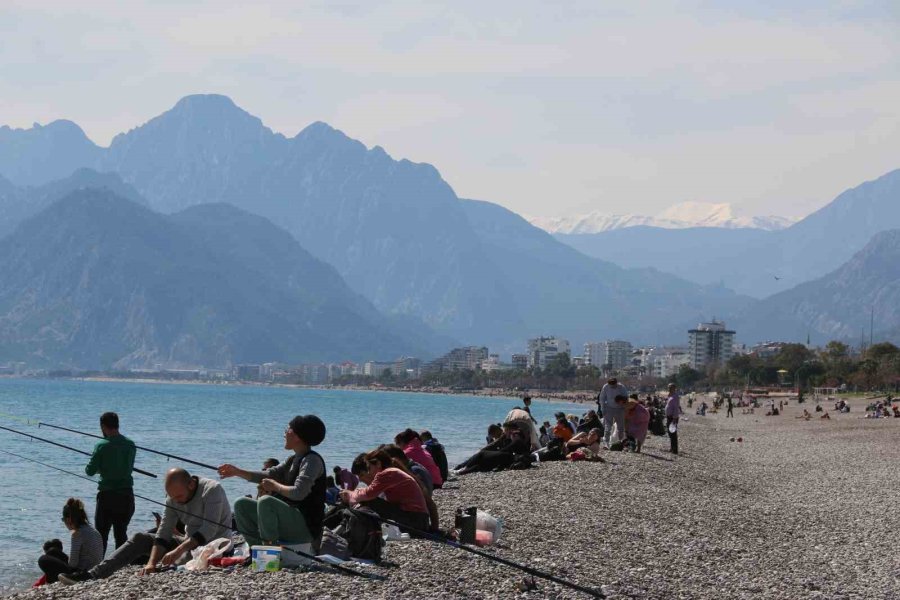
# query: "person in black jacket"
436 450
498 455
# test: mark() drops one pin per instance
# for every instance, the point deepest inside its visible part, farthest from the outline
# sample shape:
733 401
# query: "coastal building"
459 359
666 364
710 344
593 354
374 368
542 350
519 361
247 372
617 354
406 366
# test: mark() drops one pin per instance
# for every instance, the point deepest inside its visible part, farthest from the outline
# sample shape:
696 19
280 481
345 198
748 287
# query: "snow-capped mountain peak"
678 216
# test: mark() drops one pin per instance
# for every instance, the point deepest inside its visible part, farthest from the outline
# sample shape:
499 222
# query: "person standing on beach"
673 412
526 406
612 411
730 407
113 459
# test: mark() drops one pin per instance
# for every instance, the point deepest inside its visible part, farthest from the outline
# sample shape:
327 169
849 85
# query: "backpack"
361 529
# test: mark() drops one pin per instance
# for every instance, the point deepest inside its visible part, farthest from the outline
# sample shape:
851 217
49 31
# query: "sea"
212 424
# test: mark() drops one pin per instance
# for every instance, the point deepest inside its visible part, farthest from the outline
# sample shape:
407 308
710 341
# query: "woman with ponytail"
86 549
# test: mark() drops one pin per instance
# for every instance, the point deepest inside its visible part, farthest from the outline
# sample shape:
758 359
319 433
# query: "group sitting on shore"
401 480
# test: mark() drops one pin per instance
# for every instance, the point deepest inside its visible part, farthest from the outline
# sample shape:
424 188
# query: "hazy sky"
549 108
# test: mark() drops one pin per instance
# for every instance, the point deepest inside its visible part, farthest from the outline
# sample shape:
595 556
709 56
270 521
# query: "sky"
548 108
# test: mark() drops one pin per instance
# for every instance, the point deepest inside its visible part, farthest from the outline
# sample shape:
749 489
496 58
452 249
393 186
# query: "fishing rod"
166 454
530 570
34 437
312 557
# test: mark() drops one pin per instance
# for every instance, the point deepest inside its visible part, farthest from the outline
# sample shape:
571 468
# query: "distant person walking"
730 407
611 410
113 459
673 412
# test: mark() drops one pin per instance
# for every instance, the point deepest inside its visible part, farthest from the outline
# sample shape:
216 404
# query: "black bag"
361 528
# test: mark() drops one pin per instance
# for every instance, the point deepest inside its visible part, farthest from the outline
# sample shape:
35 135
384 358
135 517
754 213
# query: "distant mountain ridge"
755 262
679 216
97 281
840 305
395 230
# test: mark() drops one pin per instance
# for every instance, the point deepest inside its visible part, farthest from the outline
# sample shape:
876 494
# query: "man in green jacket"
113 459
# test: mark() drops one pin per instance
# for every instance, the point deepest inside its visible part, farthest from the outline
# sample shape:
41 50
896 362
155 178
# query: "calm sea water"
210 424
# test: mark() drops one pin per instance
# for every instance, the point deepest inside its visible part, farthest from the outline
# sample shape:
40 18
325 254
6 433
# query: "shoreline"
571 397
722 519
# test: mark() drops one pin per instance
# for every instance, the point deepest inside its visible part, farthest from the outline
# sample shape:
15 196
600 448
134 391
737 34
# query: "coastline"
571 397
722 519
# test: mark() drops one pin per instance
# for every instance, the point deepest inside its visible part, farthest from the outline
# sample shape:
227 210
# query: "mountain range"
404 248
679 216
864 292
751 261
98 281
394 229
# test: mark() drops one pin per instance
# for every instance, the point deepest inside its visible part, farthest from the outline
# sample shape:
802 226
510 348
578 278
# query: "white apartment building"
542 350
616 353
710 344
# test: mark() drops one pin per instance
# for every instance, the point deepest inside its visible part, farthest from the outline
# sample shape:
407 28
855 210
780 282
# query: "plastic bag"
487 522
203 554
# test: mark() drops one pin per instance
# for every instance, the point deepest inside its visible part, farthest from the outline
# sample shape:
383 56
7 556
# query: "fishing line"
166 454
340 568
34 437
530 570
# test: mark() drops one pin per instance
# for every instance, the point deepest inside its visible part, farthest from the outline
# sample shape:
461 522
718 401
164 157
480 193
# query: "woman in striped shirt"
86 549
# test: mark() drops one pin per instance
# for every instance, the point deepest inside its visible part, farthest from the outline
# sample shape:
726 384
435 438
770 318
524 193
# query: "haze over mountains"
396 233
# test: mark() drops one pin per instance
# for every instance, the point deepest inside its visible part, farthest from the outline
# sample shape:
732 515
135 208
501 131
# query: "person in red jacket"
390 491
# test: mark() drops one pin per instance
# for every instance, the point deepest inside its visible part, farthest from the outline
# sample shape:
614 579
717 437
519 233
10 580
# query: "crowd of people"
400 484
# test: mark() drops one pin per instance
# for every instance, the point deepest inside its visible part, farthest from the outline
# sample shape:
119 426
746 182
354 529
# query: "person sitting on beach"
414 468
825 416
390 491
294 511
437 452
411 444
332 491
587 441
544 436
498 455
522 421
590 421
494 433
805 416
562 430
85 549
200 503
421 474
345 479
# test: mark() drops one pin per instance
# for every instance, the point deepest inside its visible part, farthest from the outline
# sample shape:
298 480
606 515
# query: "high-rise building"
710 344
520 361
617 353
459 359
542 350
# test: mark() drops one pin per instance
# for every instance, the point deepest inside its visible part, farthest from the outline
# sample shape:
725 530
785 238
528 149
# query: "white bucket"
265 558
292 559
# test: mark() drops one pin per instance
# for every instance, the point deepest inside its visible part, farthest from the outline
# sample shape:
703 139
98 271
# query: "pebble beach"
798 509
